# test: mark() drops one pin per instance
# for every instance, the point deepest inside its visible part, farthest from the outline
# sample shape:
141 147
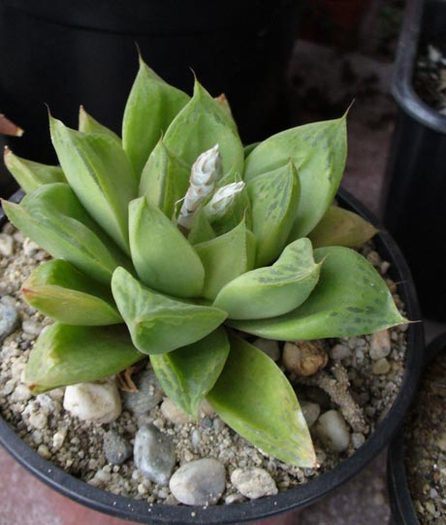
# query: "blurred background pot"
415 203
401 502
68 53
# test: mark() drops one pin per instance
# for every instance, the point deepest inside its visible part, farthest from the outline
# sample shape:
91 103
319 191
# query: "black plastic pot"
415 207
82 52
403 510
286 501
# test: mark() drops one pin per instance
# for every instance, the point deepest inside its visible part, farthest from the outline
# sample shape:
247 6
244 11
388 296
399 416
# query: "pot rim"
401 502
296 497
402 86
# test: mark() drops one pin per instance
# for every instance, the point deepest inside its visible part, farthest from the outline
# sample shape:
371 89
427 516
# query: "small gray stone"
149 393
358 439
253 482
333 429
8 319
381 367
311 412
174 414
339 352
31 327
268 347
200 482
116 448
154 454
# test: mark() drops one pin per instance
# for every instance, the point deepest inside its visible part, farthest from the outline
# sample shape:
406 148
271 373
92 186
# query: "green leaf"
87 124
340 227
254 397
30 175
66 355
150 108
201 230
275 290
350 299
189 373
274 197
225 258
157 323
54 218
318 151
99 174
164 180
60 291
249 148
163 258
200 125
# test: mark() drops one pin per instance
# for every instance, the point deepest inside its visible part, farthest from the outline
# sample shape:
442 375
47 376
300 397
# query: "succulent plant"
176 242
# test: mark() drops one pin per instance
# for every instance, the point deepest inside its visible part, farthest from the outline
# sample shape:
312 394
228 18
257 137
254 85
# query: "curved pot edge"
298 497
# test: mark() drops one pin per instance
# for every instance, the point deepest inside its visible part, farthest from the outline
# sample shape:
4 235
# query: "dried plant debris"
430 76
343 401
426 446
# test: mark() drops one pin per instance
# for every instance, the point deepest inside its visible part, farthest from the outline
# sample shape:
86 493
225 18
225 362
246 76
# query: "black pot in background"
415 207
82 52
297 497
403 510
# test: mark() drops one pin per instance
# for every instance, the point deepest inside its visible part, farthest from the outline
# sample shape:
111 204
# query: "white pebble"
38 420
333 429
173 413
59 438
30 247
253 482
358 439
96 402
6 245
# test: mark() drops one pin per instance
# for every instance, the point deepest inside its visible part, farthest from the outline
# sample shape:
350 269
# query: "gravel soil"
355 384
426 446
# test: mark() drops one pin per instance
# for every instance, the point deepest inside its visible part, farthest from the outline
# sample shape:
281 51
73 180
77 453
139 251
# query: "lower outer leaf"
187 374
350 299
340 227
62 292
253 396
65 355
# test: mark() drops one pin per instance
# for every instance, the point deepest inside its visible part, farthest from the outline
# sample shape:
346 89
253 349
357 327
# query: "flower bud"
222 199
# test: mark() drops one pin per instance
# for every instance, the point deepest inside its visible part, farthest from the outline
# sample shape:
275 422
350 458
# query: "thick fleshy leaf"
59 290
163 258
28 174
66 355
253 396
350 299
157 323
164 180
274 290
87 124
201 230
99 174
189 373
318 151
247 149
150 108
53 217
340 227
274 197
225 258
200 125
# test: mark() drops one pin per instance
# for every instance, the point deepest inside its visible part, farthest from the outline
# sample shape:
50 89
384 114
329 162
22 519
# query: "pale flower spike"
222 199
205 173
